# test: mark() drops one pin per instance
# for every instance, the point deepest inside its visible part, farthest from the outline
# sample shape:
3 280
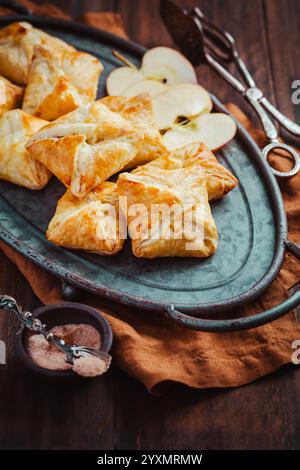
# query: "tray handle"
237 324
15 6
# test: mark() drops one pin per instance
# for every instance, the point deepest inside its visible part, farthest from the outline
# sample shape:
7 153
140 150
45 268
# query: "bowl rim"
107 336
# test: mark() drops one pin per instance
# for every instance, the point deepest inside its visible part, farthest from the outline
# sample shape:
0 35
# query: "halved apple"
180 102
161 65
121 78
151 87
167 66
171 81
215 130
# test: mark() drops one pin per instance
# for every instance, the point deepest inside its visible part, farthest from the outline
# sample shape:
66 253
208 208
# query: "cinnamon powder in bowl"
47 355
76 324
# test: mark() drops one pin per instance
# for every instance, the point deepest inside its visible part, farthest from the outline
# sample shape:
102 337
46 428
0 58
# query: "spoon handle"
9 303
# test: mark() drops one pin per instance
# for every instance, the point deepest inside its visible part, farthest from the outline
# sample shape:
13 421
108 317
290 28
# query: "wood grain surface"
115 411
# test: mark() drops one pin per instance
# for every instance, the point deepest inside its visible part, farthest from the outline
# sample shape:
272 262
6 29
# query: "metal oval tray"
250 220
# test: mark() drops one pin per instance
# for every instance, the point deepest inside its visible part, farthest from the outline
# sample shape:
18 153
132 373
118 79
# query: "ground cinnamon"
48 356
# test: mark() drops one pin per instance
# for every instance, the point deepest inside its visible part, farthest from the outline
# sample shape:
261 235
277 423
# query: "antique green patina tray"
251 223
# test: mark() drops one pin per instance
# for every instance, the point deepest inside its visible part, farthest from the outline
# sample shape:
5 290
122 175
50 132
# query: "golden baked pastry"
57 85
168 213
219 180
10 95
83 70
17 41
138 110
16 165
90 223
85 147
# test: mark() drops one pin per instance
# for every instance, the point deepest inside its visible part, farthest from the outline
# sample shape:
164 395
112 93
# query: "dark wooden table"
117 412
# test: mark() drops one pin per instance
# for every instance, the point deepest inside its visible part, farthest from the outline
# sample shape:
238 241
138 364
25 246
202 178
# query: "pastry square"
138 110
219 180
90 223
10 95
57 85
17 42
168 213
85 147
16 164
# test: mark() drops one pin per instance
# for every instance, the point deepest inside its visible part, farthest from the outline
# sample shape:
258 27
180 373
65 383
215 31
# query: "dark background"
116 411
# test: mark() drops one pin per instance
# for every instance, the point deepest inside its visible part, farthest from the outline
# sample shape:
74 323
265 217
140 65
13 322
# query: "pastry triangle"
16 164
138 111
90 223
59 84
17 41
10 95
86 147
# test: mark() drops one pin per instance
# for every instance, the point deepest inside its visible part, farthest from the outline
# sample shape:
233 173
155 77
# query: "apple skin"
215 130
168 66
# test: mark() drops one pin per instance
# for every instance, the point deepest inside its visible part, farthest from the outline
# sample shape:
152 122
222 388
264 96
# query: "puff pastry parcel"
85 147
10 95
219 180
57 85
90 224
138 110
16 165
17 41
185 226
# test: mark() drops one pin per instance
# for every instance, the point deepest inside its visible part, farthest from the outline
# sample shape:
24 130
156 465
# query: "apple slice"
184 101
152 87
120 79
215 130
161 65
167 66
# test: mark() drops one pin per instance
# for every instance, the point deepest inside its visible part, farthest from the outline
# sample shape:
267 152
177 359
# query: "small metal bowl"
62 314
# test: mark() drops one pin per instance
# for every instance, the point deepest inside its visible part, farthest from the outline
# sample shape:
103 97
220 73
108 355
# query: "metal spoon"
28 321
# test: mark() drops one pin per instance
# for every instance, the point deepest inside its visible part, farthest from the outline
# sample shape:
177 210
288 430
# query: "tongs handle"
213 38
224 50
253 95
287 123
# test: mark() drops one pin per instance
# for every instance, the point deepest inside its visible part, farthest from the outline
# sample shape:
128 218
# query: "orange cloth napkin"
155 351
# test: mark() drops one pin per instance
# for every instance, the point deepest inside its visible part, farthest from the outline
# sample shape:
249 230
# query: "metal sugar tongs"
27 320
203 42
